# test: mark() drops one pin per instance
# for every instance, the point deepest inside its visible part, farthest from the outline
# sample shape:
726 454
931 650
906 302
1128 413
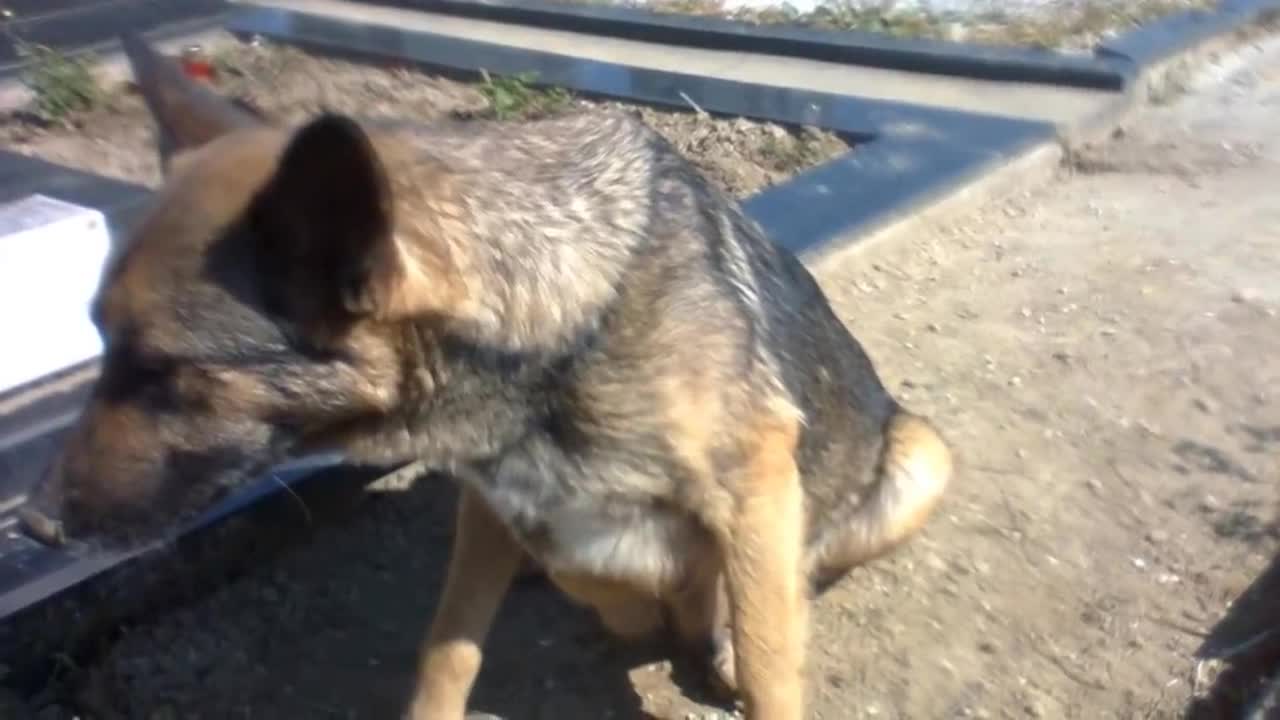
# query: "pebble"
1246 295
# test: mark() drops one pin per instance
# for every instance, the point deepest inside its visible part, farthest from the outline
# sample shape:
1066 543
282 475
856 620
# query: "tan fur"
763 546
483 563
915 469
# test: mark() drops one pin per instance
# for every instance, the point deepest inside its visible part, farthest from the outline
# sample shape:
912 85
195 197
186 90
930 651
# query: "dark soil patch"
116 138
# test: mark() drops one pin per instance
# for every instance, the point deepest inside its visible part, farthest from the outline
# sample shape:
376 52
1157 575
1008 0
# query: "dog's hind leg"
915 469
484 560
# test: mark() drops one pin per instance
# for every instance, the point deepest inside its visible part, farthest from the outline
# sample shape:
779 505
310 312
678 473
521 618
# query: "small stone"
1015 381
1210 503
1203 406
1157 537
1139 563
1246 295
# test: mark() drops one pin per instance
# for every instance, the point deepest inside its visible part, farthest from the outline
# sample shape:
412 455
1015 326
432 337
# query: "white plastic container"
51 258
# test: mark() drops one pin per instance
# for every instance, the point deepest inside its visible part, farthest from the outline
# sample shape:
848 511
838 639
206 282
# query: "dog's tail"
187 113
915 469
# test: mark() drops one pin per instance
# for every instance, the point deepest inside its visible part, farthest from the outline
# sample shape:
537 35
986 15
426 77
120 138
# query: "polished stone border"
1013 64
1112 66
906 154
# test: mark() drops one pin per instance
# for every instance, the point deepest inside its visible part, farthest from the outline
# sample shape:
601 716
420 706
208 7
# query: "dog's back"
663 291
634 385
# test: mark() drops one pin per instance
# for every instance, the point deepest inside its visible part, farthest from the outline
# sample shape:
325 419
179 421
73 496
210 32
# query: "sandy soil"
1101 352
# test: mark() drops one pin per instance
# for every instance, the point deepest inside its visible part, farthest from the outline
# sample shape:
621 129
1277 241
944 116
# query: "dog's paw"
722 662
420 715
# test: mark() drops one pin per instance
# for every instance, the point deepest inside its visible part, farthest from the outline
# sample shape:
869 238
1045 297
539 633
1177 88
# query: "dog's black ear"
326 230
187 114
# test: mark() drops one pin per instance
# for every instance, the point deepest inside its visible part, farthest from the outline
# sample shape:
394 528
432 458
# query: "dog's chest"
588 527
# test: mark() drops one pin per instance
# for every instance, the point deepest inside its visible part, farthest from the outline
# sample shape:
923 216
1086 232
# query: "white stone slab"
51 257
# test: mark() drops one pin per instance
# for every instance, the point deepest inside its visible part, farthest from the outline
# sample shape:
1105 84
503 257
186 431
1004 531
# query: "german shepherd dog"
631 383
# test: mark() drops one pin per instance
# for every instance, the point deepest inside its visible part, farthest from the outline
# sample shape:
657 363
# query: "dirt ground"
1101 352
114 139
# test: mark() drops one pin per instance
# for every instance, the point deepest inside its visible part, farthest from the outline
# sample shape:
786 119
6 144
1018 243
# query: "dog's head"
259 304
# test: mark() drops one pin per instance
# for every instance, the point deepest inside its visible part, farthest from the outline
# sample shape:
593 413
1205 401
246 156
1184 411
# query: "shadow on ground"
328 624
1247 642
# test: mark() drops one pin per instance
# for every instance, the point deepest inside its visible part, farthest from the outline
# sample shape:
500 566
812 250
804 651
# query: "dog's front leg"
483 562
768 603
